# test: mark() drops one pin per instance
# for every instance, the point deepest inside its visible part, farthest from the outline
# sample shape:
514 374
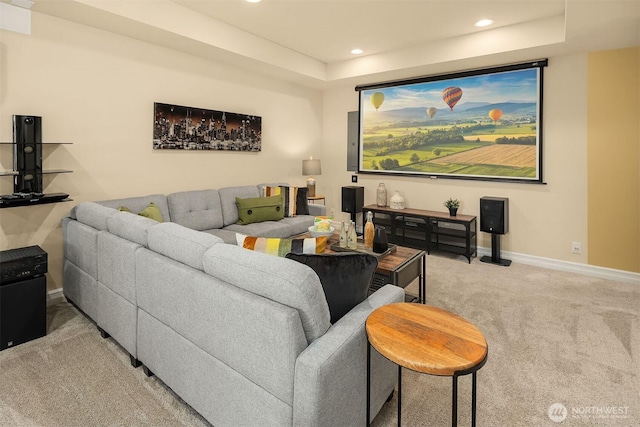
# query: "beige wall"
97 90
614 158
544 219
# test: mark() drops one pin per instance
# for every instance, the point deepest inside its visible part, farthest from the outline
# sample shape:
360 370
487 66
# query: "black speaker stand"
495 253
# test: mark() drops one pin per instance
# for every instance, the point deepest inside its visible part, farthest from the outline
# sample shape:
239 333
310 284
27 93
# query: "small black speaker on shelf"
494 215
352 200
27 154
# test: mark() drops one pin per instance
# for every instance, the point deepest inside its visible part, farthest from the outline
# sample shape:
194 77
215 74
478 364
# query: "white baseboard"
54 296
571 267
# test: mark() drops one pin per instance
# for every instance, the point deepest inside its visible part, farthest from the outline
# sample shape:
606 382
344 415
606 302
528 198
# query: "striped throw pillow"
290 197
281 247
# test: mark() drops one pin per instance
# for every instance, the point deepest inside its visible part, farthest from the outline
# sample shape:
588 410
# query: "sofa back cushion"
94 215
228 201
180 243
278 279
130 227
138 204
199 210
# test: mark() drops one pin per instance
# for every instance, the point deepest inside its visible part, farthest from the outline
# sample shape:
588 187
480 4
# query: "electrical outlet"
576 247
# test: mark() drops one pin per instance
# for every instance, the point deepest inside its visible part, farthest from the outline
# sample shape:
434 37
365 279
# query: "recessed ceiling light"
484 22
253 1
356 51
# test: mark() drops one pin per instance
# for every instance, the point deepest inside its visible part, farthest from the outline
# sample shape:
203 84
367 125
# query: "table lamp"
311 167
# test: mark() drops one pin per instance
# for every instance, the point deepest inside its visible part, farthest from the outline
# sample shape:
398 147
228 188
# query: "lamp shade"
311 167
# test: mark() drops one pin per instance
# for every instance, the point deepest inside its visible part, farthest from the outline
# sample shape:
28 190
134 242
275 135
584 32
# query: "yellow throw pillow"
281 247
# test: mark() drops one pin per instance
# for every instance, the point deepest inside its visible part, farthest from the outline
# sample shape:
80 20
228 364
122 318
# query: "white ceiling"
327 30
308 41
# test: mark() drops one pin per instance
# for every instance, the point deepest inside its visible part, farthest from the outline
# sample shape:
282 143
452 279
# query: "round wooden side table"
426 339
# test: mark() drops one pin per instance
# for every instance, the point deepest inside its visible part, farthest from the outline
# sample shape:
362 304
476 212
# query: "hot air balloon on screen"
377 99
495 114
451 96
432 111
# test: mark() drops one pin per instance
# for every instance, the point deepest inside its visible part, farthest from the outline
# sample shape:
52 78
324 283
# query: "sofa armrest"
330 376
317 210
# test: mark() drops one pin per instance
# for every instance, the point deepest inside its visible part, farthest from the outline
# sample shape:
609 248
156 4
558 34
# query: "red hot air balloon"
451 96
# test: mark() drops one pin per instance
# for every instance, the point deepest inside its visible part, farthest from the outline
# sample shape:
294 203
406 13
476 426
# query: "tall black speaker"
494 219
27 154
494 215
23 311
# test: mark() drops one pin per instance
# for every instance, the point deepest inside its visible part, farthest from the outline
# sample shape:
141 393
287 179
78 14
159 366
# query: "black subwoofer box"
494 215
352 199
23 311
27 136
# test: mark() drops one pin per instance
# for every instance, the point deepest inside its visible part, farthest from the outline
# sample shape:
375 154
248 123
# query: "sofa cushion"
180 243
94 215
130 227
278 279
264 229
260 209
200 210
281 247
137 204
299 224
228 201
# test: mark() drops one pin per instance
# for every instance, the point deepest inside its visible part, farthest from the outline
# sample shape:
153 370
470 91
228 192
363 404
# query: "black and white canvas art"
176 127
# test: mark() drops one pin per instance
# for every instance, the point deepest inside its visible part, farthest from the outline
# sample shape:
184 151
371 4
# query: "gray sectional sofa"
241 336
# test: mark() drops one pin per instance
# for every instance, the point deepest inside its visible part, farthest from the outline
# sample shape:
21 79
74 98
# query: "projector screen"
479 124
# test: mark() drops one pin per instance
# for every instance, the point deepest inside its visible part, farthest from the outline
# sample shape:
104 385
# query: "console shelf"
27 173
428 230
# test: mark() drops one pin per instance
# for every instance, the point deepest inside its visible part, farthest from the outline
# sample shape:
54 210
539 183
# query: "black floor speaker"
27 159
23 311
494 219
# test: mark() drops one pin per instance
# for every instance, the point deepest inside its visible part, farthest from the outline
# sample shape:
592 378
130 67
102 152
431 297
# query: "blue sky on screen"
510 86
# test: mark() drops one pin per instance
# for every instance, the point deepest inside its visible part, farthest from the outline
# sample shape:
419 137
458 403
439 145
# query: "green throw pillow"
152 211
259 209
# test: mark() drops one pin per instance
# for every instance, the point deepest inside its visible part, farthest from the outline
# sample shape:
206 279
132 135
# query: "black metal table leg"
399 395
423 279
368 382
454 403
473 400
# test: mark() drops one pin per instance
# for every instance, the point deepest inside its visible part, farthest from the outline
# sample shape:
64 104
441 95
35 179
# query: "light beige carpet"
554 338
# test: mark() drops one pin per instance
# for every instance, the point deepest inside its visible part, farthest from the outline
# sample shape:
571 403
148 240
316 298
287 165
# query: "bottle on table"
369 230
352 237
343 235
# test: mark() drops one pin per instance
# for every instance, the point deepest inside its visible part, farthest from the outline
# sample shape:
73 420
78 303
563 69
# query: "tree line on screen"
435 137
